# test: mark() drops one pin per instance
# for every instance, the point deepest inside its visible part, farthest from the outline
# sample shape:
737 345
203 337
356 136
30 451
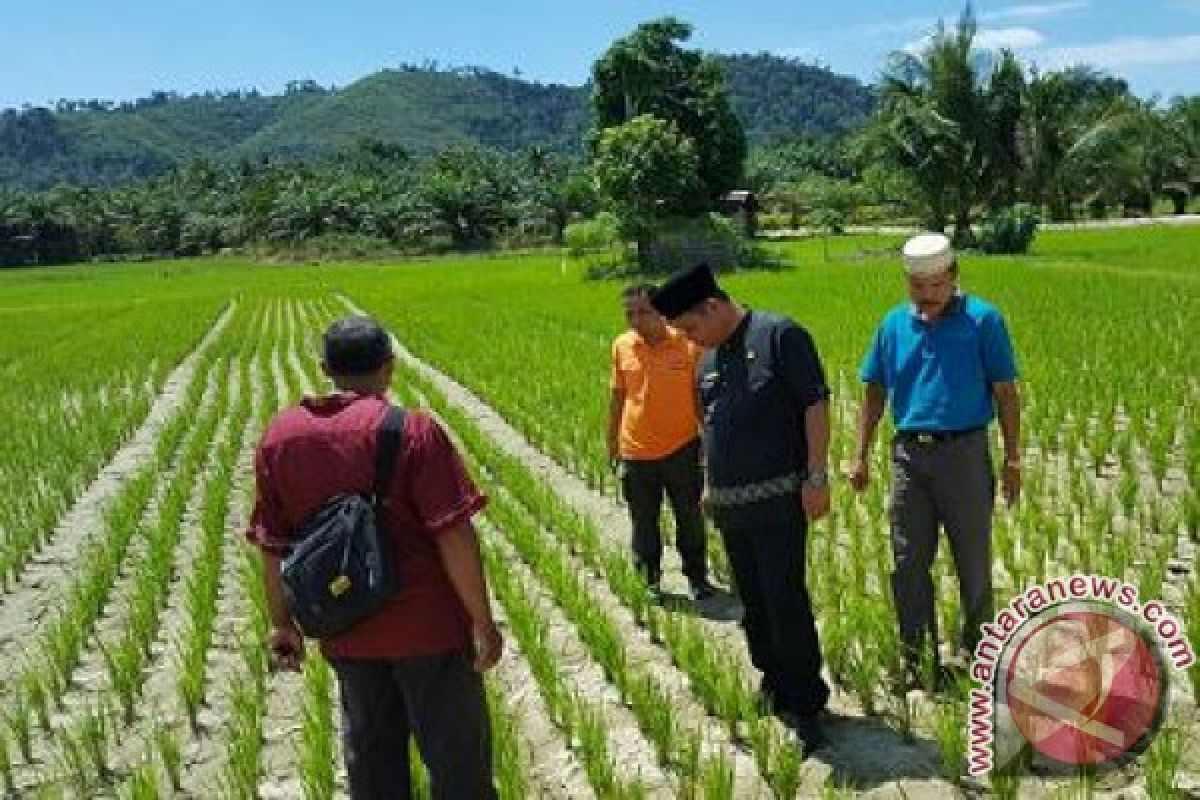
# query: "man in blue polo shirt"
945 363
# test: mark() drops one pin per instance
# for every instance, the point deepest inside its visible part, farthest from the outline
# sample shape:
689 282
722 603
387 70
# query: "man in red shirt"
414 667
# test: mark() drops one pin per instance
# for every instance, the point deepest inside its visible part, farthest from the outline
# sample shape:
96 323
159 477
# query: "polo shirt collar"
334 401
957 303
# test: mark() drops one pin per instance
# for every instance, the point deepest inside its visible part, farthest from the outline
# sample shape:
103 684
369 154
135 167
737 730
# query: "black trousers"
643 484
438 699
766 546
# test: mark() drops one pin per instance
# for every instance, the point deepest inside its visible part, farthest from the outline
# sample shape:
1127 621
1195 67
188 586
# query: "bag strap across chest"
388 442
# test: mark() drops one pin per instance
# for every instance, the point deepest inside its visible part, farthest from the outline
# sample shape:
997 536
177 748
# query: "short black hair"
629 292
356 345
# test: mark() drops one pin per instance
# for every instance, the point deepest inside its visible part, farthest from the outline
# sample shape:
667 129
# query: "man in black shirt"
766 439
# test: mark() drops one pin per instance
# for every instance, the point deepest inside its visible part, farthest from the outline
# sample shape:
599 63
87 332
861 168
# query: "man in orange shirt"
653 436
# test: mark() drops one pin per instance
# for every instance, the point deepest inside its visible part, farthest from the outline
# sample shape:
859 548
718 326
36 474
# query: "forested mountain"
423 109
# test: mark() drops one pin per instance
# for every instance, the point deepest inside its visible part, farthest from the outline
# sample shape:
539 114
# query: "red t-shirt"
326 446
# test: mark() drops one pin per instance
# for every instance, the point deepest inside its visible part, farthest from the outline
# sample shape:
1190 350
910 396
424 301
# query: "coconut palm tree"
949 119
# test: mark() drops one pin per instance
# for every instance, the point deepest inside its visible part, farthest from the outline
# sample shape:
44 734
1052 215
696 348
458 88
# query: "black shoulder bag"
343 567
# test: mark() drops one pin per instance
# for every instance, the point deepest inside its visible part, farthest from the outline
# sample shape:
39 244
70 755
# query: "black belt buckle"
925 438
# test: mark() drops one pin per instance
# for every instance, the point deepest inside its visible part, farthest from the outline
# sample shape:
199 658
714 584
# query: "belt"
928 438
724 496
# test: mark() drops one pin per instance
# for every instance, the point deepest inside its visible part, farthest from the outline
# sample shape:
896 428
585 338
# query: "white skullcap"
927 254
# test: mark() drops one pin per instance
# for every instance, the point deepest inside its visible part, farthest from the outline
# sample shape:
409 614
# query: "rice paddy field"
132 624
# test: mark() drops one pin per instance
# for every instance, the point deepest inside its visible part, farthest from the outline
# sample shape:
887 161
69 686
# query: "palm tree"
1069 131
949 119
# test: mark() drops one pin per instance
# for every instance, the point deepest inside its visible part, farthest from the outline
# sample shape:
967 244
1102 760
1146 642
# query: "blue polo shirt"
938 376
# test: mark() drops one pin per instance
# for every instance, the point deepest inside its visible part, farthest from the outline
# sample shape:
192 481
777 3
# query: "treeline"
465 197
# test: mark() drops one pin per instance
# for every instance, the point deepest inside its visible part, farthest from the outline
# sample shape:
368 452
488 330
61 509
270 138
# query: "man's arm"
459 550
874 402
1008 405
287 645
616 410
815 497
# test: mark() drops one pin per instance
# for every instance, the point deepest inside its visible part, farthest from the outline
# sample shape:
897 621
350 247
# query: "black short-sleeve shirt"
755 388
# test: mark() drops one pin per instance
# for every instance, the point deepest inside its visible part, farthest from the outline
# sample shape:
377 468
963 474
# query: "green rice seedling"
243 747
656 716
863 675
16 720
510 759
124 665
72 762
169 750
6 766
787 758
418 774
950 732
32 685
142 784
717 778
832 789
316 731
691 778
93 731
1162 762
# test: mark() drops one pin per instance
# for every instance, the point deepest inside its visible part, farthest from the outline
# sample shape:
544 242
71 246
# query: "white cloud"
990 39
1012 38
1126 52
1034 11
896 26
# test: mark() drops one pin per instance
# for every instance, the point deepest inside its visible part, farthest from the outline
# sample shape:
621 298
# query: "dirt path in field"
37 590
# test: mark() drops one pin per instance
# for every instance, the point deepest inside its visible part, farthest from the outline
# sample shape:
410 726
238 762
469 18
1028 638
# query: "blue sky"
119 49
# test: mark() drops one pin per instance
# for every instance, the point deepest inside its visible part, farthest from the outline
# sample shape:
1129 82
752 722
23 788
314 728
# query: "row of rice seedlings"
580 719
242 764
510 759
241 768
316 744
716 673
1162 760
201 584
126 660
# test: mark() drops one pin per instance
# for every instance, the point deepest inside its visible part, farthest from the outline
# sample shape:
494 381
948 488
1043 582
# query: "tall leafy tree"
649 72
645 172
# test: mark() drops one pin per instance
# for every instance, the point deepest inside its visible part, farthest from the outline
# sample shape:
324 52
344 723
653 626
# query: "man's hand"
1010 482
287 648
815 501
859 475
488 644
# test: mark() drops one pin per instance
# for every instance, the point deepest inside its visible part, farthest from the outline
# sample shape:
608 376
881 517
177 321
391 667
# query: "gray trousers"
947 483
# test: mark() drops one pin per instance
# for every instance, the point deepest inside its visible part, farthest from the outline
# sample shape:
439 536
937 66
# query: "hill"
423 109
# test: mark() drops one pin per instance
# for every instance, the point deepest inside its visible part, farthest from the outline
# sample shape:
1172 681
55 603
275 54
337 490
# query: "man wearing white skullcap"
945 363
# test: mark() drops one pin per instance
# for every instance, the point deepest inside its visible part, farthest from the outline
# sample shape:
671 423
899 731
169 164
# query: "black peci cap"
356 345
684 290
